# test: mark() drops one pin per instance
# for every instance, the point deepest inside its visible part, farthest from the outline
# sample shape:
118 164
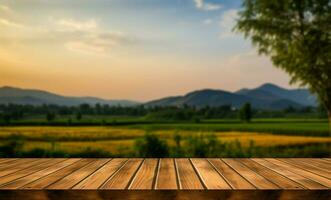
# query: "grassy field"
285 127
120 140
304 127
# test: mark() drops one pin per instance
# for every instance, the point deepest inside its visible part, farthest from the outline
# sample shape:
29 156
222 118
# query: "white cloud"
227 23
207 21
75 25
202 5
99 42
89 36
6 22
78 35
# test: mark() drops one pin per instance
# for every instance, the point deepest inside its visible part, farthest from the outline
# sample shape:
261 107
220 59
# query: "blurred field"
281 127
120 140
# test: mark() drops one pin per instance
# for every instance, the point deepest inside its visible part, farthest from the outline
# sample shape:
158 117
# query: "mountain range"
39 97
267 96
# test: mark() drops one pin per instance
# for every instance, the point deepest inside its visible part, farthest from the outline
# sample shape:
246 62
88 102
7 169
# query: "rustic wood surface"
182 178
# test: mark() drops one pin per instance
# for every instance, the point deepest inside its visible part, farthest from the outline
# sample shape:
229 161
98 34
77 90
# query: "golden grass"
121 140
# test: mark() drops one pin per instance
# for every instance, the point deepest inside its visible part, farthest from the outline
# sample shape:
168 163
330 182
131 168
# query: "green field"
311 128
260 138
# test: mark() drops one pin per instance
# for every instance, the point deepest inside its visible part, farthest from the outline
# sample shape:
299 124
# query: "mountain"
267 96
39 97
271 91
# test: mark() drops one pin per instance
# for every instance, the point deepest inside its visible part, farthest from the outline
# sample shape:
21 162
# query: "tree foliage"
246 112
296 35
151 146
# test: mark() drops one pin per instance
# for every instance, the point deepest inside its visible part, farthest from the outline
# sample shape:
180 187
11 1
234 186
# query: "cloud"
99 42
227 23
207 21
5 8
6 22
74 25
202 5
77 35
89 36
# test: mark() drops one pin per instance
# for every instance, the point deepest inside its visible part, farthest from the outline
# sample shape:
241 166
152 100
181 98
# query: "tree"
296 35
245 112
6 118
79 116
150 146
50 116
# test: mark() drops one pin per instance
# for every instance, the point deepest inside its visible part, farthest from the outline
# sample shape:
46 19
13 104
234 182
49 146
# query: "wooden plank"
101 175
187 178
324 165
171 174
72 179
44 163
289 174
166 178
166 195
210 177
257 180
19 165
272 176
319 179
44 172
145 176
122 178
56 176
5 161
308 167
235 180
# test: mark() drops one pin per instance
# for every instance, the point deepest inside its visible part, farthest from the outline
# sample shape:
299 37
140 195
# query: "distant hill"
267 96
39 97
271 91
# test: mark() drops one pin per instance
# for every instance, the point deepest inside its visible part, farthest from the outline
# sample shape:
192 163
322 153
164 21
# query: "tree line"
14 112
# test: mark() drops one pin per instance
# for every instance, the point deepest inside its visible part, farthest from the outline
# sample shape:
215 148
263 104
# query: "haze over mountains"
39 97
267 96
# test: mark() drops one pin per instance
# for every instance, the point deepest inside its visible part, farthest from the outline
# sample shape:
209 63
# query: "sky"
128 49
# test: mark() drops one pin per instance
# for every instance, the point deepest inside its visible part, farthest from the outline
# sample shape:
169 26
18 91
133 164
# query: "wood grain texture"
304 165
18 165
210 177
54 177
187 177
35 176
257 180
235 180
322 164
319 179
144 178
71 180
6 161
27 171
123 176
166 178
307 183
272 176
100 176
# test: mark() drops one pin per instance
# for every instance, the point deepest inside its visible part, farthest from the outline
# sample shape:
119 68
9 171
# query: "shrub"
151 146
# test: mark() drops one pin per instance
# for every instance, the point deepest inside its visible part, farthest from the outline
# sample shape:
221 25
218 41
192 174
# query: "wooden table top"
165 174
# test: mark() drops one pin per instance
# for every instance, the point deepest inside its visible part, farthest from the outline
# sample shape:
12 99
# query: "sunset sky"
127 49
